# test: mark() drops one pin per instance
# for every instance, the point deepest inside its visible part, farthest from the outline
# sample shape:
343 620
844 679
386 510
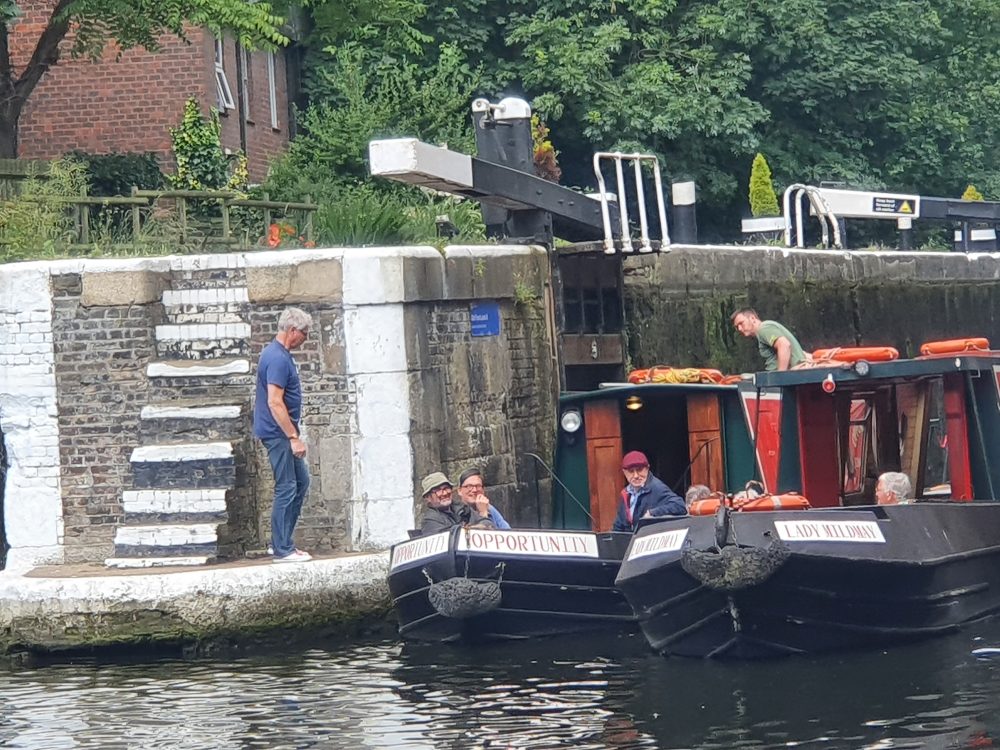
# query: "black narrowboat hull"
814 580
549 582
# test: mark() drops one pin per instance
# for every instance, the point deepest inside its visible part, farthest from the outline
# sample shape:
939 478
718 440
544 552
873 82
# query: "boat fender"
734 567
460 597
955 346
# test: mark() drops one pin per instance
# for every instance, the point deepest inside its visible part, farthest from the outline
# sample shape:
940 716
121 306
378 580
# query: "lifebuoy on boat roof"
856 353
955 346
786 501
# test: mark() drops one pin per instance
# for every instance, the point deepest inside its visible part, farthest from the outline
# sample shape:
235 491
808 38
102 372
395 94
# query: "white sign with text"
543 543
419 549
829 531
655 544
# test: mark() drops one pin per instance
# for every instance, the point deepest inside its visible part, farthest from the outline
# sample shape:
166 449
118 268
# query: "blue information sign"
485 318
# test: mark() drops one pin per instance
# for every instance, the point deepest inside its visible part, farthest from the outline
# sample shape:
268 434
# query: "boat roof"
609 390
938 364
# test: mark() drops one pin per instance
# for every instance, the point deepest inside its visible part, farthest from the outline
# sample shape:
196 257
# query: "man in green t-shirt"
779 348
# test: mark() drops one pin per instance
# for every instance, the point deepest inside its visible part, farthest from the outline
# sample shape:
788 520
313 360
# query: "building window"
272 91
224 93
247 83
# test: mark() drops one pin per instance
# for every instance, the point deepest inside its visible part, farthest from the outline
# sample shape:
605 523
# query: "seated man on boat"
644 496
441 514
470 489
776 344
893 488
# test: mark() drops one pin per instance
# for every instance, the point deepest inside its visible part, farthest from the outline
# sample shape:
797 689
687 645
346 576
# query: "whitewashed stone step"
191 412
166 535
182 452
198 368
203 332
155 562
174 501
202 297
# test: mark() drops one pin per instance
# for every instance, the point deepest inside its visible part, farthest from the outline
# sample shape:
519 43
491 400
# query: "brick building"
128 105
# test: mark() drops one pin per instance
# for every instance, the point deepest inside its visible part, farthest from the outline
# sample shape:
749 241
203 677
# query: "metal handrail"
645 245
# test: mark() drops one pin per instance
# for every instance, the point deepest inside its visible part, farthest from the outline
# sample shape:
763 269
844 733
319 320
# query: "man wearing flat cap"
441 514
644 495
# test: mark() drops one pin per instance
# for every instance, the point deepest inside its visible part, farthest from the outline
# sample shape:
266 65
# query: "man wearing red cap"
644 494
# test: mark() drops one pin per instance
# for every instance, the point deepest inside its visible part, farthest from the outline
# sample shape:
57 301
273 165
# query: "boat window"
856 453
936 482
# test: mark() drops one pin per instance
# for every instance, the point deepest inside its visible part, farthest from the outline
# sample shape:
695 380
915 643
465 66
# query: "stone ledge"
100 607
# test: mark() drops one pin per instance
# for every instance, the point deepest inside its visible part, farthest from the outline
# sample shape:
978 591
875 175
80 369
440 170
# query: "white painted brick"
375 339
182 452
155 536
190 412
199 369
154 562
174 501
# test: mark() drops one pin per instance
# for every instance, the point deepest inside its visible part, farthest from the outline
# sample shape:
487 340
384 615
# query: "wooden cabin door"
604 458
705 441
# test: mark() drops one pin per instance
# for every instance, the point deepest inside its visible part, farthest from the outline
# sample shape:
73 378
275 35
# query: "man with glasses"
441 514
644 495
276 416
470 489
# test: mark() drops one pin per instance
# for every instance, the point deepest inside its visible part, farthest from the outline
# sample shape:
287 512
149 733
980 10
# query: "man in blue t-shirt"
276 414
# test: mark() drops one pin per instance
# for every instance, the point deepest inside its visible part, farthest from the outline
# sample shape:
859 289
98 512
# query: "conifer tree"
763 201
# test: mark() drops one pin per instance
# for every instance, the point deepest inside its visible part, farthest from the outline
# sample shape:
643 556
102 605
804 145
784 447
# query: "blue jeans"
291 483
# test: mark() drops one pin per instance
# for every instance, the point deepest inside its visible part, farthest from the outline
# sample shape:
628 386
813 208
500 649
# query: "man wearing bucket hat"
441 514
644 495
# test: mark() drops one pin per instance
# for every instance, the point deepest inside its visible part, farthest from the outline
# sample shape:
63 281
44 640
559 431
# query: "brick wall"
103 366
129 104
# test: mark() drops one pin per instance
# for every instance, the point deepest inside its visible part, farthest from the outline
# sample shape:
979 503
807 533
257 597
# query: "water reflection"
590 693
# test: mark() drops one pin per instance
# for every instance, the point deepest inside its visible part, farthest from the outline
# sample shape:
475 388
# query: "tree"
763 201
128 23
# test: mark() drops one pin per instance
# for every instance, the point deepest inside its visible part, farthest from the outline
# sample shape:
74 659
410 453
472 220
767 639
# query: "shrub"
116 174
971 194
763 201
35 223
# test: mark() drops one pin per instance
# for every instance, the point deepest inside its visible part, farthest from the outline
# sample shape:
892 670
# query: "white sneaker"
270 550
294 556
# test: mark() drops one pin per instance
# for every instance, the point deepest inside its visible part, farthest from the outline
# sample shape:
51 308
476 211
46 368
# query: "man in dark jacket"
644 494
441 514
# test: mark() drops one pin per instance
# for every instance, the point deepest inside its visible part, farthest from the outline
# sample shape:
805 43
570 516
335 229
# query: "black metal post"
683 213
905 225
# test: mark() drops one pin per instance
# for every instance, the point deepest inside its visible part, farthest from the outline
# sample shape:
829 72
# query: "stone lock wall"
678 304
126 396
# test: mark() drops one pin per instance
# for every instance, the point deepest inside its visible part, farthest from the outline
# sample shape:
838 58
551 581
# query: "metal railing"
625 239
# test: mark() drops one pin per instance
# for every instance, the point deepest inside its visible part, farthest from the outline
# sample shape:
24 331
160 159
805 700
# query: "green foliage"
35 224
116 174
356 100
971 194
368 214
197 147
139 23
763 201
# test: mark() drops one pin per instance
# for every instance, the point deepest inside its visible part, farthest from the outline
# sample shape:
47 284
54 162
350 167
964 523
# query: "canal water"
575 692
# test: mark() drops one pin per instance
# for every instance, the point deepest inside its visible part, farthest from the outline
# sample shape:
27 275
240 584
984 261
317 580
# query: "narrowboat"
843 572
475 584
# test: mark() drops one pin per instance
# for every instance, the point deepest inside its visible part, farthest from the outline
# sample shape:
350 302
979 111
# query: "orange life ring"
787 501
855 353
954 346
